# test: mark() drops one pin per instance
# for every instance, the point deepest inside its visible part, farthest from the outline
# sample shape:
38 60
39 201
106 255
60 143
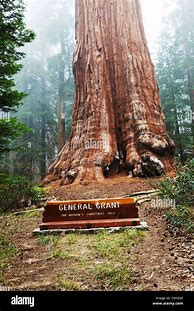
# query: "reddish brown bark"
117 106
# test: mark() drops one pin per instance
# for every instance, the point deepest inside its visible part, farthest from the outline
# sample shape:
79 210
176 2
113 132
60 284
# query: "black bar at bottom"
89 300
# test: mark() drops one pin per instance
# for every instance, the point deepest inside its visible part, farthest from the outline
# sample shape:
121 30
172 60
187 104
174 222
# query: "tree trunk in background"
176 118
190 71
61 113
61 98
118 123
43 147
43 156
28 168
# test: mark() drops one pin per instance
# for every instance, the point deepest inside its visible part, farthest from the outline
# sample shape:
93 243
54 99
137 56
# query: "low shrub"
17 192
181 218
180 189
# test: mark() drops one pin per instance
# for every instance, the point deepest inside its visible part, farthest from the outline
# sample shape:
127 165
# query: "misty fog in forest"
47 78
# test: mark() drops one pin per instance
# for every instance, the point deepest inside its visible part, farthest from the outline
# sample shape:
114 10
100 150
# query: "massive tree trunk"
118 123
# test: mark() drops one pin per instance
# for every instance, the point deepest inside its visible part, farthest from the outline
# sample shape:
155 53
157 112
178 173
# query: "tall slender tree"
61 34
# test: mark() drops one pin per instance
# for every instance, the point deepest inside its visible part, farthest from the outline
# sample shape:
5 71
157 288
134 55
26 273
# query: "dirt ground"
113 187
156 259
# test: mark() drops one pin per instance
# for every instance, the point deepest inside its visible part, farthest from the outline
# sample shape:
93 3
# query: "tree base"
148 166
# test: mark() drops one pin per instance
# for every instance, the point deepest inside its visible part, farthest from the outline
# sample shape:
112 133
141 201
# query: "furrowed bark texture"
118 123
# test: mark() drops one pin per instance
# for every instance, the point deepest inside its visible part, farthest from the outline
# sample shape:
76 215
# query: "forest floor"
156 259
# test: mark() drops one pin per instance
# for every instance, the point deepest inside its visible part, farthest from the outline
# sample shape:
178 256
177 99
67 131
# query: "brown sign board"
85 214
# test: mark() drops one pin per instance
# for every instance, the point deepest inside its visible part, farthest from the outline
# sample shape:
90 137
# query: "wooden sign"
86 214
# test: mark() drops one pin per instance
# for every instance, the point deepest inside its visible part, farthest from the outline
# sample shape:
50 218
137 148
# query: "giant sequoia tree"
118 123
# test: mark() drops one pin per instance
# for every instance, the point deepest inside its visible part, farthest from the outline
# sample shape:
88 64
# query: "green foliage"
181 217
13 36
38 194
16 192
11 129
181 189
